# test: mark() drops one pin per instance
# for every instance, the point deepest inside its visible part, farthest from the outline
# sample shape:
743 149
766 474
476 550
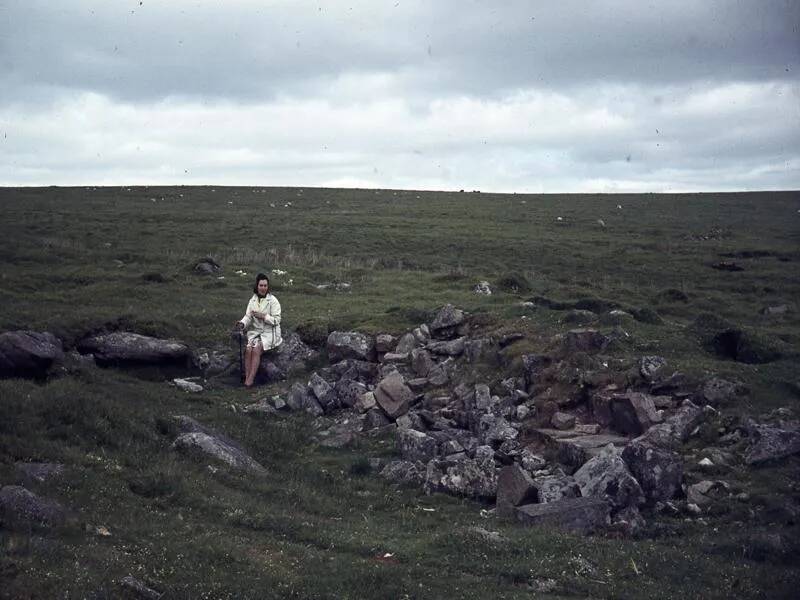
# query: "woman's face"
263 287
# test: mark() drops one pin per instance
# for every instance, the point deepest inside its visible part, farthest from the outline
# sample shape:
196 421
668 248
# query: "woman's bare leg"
252 361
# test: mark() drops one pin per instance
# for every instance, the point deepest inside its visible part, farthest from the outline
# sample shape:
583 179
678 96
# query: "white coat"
267 330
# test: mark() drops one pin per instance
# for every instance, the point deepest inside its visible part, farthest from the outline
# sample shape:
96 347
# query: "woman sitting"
262 322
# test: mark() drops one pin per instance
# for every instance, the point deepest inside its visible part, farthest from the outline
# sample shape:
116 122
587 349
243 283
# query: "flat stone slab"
578 515
28 353
126 347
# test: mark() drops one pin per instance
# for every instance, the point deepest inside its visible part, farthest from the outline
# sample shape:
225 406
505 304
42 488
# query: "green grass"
77 260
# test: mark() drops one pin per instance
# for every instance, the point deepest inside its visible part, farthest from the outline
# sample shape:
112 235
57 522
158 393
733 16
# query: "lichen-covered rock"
577 515
405 472
406 344
124 347
28 353
21 506
562 420
219 450
415 445
446 322
555 487
385 342
606 476
473 478
651 366
633 413
514 488
349 392
771 443
447 347
393 395
659 471
301 398
720 392
421 362
350 344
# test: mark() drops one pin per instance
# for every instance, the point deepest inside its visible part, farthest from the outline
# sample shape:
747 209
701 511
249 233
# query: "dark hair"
260 277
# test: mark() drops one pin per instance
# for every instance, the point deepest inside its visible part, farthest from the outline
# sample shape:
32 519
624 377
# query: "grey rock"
213 362
587 428
416 445
21 506
437 376
478 350
421 362
137 587
365 402
659 471
340 434
323 392
405 472
495 430
187 386
720 392
374 418
606 476
406 344
417 385
633 413
770 444
292 356
629 521
342 345
510 338
447 347
703 492
28 353
533 365
451 447
482 288
531 462
393 395
220 450
780 309
446 321
562 420
349 392
300 398
468 477
385 342
36 471
393 357
124 347
514 488
555 487
577 515
650 366
207 266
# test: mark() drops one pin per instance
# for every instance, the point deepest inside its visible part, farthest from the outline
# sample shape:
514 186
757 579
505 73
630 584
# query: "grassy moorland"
75 260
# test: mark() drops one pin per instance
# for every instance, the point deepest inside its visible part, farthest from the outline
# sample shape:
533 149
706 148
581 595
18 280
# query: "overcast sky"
536 96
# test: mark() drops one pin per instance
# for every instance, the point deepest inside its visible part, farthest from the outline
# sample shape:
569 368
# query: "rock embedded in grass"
28 353
125 347
23 507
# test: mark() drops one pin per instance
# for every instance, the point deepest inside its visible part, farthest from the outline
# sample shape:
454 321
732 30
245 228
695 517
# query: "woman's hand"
258 315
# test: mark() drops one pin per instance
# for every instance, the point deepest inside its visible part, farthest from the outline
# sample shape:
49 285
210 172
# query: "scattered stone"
385 342
187 386
720 392
342 345
137 587
514 488
633 413
473 478
771 311
124 347
607 476
393 357
365 402
510 338
650 366
771 443
220 449
482 288
578 515
21 506
421 362
300 398
393 395
587 428
702 493
446 322
492 537
323 392
207 266
437 376
28 353
40 472
405 472
658 471
349 392
374 418
448 347
415 445
406 344
562 420
551 488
